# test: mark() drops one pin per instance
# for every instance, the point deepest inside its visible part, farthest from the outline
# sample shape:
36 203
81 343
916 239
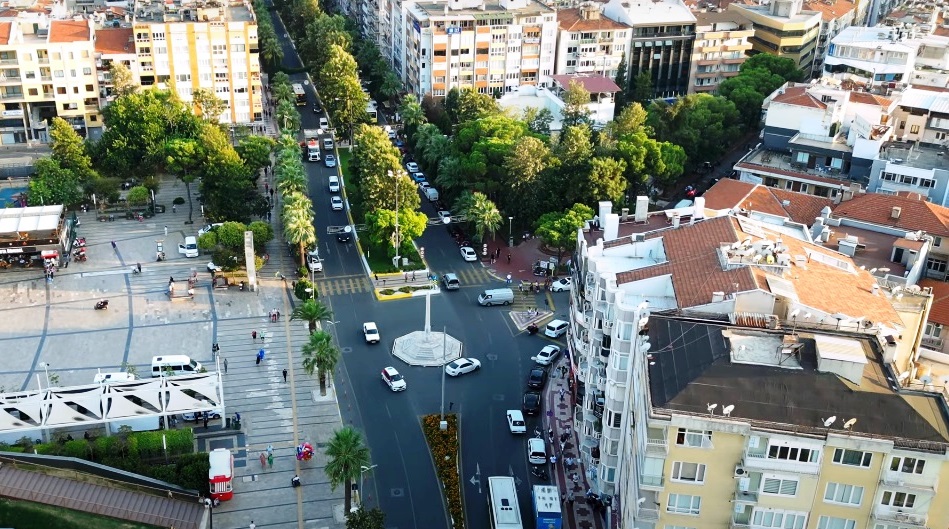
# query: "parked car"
531 404
564 284
547 355
411 167
393 379
537 378
515 421
462 366
536 451
418 177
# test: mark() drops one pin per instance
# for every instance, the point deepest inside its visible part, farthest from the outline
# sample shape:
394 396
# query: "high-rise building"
590 43
490 46
720 46
662 38
782 28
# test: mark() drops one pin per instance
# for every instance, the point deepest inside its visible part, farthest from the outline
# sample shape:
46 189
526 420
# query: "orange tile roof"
114 41
915 214
5 29
798 96
570 20
940 311
68 31
865 98
799 207
830 11
693 263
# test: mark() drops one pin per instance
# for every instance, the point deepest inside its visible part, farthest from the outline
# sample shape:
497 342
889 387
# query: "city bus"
502 503
300 94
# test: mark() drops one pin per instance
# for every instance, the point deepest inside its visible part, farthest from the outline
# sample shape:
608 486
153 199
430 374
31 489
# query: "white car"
468 254
393 379
515 421
330 160
536 451
444 216
336 203
547 355
562 285
314 262
423 185
213 267
324 124
462 366
411 167
370 332
208 228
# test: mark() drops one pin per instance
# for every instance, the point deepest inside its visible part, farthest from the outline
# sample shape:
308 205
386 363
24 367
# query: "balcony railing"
761 461
657 447
651 482
935 343
920 482
647 515
887 514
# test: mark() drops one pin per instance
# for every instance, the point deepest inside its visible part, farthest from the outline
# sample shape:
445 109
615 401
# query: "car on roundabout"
370 332
462 366
393 379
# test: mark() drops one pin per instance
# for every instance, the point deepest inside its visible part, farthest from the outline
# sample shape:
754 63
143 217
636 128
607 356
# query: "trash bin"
237 425
228 423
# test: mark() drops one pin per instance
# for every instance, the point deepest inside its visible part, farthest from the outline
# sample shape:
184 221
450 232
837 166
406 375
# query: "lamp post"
45 366
398 241
442 425
362 472
510 232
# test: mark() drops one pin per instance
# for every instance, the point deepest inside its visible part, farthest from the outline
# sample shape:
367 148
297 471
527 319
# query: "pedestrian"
509 279
450 405
570 498
258 362
253 525
114 247
295 481
508 258
253 334
413 275
138 266
270 460
405 276
569 430
205 420
225 366
166 230
263 460
284 375
562 393
576 479
376 276
553 459
546 304
497 253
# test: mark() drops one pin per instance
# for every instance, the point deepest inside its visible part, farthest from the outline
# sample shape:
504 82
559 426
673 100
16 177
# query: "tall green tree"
538 120
208 105
559 229
255 152
53 184
287 116
465 104
622 81
523 167
413 116
575 100
322 33
70 150
298 227
320 355
642 90
380 228
363 518
342 94
183 157
347 454
705 126
430 147
377 168
312 311
606 181
123 83
480 212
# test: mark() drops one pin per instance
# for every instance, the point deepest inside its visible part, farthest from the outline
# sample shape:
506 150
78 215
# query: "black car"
537 378
531 403
345 235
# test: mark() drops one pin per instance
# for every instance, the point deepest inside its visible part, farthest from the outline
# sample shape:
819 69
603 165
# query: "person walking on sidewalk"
508 258
285 375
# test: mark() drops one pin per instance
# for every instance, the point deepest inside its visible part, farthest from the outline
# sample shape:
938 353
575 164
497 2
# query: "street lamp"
45 366
362 472
398 241
510 232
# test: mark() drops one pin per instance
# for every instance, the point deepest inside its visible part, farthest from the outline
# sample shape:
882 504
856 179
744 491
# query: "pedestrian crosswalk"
343 285
470 276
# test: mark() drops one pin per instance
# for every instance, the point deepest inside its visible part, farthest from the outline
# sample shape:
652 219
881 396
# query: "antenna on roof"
711 408
849 424
829 421
727 410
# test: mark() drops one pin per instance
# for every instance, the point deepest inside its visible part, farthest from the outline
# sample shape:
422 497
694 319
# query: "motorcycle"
80 258
79 242
102 305
539 472
532 329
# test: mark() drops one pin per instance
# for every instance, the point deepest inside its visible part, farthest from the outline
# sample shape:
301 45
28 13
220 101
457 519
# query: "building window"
910 465
898 499
936 265
694 438
914 129
684 504
792 453
830 522
855 458
688 472
933 330
779 519
841 493
779 486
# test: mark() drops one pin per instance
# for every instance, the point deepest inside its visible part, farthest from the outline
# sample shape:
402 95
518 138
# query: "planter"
445 448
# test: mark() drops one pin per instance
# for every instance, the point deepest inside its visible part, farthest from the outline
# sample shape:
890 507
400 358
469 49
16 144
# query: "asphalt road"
404 484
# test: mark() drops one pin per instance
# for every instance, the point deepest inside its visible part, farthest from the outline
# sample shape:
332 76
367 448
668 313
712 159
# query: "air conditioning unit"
607 324
740 472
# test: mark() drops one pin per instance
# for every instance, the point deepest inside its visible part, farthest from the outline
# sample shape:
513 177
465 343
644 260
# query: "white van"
189 248
536 451
334 184
556 328
174 365
498 296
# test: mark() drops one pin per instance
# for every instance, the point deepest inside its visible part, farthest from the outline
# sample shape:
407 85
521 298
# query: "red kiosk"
221 474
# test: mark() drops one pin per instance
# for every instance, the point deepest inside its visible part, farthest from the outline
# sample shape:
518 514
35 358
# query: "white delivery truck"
311 137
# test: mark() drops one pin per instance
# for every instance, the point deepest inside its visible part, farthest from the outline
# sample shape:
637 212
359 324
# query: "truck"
546 503
311 139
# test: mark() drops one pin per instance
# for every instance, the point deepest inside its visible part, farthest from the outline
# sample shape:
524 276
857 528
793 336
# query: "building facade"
590 43
721 44
782 28
491 47
836 15
663 37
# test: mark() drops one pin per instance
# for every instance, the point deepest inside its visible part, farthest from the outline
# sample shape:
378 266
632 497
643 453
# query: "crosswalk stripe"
338 286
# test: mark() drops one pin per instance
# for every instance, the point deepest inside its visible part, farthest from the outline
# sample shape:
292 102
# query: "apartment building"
492 47
663 37
47 70
721 44
114 45
590 43
783 28
213 45
836 15
871 56
732 372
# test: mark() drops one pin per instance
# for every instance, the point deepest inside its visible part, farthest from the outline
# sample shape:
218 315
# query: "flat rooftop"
922 155
874 250
437 9
780 163
693 366
765 11
148 11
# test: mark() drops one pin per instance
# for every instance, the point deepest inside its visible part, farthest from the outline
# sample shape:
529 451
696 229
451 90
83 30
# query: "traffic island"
445 448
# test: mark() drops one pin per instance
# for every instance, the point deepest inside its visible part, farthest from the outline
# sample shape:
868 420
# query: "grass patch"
29 515
381 263
445 447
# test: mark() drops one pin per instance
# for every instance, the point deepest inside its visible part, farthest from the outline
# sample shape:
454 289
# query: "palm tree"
271 52
320 356
347 455
291 179
483 214
312 311
298 229
283 92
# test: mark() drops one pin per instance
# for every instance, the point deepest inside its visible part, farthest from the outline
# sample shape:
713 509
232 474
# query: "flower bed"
444 446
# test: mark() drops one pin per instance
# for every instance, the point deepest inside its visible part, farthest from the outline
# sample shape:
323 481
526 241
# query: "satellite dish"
727 410
849 424
830 420
807 315
711 407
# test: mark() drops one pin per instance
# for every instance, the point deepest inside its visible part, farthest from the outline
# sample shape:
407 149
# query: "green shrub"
48 449
178 201
78 448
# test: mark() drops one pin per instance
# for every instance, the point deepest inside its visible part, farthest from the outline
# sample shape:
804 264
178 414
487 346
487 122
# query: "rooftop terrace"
148 11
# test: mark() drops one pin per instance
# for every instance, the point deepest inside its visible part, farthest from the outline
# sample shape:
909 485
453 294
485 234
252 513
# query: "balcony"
932 343
739 525
904 480
657 447
884 513
745 496
761 461
10 79
648 482
647 515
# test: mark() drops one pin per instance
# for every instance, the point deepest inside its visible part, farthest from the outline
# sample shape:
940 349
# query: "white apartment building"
47 70
492 47
590 43
872 56
706 351
836 15
721 41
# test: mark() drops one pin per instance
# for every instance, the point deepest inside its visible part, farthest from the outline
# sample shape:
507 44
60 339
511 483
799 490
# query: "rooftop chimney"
605 208
641 213
896 212
611 227
699 208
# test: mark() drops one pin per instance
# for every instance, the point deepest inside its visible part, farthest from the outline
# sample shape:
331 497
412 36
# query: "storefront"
30 235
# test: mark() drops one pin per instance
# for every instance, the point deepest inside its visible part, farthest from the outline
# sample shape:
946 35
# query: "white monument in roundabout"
427 348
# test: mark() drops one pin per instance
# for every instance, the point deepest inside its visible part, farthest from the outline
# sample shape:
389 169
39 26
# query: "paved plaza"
55 324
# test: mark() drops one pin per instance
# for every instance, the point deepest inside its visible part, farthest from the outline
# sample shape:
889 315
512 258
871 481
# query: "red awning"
50 254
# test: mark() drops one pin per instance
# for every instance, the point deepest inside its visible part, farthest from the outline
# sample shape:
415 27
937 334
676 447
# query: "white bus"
300 94
372 111
502 503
